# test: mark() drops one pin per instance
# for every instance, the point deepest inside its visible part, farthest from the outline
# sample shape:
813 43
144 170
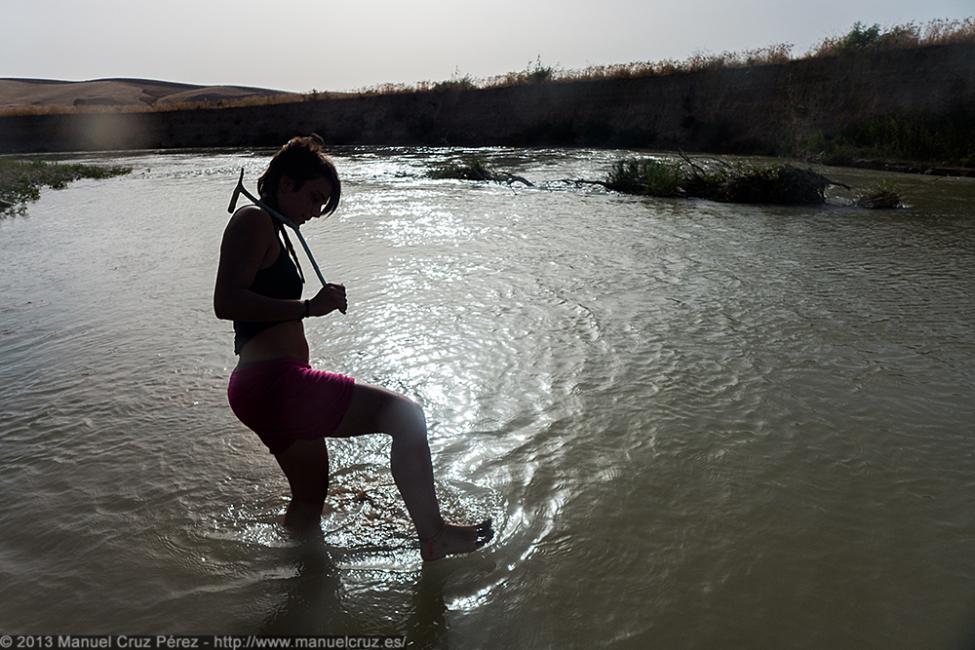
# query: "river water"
695 425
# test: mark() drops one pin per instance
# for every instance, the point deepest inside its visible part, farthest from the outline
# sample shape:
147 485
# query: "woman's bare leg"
377 410
305 463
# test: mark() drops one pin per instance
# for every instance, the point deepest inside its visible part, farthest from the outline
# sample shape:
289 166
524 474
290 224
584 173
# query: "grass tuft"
468 169
649 177
879 197
473 168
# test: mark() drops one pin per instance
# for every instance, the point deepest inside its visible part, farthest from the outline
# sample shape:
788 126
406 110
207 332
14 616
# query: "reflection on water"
693 424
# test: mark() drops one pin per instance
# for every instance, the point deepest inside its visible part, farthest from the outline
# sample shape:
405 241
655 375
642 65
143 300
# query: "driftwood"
579 182
837 183
693 165
512 178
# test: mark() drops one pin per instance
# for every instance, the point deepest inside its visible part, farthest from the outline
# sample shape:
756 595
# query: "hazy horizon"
305 45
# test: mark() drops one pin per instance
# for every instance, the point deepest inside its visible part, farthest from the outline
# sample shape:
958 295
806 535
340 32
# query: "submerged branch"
579 182
512 178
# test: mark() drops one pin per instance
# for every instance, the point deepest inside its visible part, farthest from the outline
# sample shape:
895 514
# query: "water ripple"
700 420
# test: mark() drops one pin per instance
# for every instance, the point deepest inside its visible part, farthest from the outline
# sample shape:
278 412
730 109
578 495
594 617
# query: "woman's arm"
246 240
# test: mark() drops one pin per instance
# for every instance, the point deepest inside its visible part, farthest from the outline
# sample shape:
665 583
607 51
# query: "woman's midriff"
282 341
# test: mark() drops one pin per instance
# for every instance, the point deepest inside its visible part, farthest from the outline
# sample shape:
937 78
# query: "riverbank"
899 166
915 106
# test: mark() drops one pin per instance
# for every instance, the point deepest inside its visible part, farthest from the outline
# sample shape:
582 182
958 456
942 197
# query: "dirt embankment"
769 109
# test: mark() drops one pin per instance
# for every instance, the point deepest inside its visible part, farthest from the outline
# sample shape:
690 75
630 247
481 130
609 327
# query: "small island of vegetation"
778 184
21 181
711 179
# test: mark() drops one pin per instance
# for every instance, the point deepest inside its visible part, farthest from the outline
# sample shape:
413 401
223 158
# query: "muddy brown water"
695 425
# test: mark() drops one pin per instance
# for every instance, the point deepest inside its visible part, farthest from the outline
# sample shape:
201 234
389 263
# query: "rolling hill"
49 95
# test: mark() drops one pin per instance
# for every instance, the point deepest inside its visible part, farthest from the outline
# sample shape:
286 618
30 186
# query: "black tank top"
282 280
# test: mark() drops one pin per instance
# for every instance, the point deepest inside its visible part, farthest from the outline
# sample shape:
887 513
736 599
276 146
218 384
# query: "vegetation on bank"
22 181
948 138
861 38
909 35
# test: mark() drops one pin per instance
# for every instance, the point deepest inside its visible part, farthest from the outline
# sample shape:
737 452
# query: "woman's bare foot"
452 540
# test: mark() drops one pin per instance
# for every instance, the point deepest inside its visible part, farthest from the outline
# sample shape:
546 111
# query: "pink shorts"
283 400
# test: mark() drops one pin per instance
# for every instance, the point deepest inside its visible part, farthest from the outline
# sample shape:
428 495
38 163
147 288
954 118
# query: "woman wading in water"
274 391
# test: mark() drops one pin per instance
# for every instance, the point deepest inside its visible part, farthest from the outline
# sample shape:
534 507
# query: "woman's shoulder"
251 221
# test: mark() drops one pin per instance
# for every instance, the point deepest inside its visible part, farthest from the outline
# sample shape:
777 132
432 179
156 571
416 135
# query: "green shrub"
650 177
469 169
775 185
909 35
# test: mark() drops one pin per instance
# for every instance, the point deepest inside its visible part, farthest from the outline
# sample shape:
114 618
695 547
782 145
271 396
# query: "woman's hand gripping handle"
328 299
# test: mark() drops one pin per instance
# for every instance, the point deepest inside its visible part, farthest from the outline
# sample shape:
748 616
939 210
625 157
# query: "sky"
300 45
